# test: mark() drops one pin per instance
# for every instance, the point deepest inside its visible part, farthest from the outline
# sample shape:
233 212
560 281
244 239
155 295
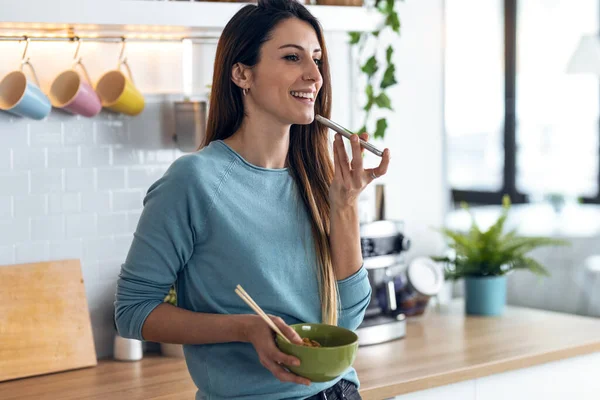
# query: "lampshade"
586 59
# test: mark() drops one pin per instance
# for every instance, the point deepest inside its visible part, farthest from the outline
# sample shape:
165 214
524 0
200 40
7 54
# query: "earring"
244 92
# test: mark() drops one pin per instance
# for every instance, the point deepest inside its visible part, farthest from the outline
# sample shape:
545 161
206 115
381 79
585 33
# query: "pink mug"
73 94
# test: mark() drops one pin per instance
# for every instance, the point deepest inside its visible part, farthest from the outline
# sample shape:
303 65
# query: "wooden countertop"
440 348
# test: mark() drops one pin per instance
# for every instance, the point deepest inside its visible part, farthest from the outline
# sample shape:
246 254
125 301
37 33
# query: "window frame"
509 174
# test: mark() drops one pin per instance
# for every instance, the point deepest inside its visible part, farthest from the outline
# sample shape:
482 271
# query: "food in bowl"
310 343
335 355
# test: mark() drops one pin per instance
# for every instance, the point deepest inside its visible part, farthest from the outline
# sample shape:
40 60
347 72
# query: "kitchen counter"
440 349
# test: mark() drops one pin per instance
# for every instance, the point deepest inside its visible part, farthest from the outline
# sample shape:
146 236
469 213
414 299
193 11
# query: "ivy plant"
377 84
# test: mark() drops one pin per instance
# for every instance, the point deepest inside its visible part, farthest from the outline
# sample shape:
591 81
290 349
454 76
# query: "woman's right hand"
262 337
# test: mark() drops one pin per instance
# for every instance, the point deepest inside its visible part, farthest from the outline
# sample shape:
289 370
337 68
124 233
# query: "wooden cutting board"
44 319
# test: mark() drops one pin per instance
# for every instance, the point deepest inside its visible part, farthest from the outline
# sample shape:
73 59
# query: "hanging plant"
377 84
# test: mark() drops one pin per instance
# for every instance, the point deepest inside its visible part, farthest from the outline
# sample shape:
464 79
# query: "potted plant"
171 349
484 259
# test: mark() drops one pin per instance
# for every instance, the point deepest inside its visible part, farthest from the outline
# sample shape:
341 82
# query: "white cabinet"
572 378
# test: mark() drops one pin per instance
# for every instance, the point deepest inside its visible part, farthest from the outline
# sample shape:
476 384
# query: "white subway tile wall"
72 187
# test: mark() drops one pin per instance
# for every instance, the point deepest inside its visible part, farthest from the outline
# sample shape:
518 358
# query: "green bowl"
325 363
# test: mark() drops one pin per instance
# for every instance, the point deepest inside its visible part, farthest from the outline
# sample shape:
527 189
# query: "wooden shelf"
128 16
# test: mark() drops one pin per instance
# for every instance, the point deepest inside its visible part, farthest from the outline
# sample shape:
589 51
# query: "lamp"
586 58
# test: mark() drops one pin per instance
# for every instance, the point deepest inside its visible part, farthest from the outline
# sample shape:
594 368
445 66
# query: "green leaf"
376 33
370 98
532 265
362 129
389 78
383 101
388 54
519 246
380 129
393 21
370 66
389 6
354 37
492 252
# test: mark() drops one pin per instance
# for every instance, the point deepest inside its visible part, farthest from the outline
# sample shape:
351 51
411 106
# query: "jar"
421 280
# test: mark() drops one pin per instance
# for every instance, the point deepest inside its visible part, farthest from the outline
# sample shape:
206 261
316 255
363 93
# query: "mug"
125 349
19 96
71 93
118 93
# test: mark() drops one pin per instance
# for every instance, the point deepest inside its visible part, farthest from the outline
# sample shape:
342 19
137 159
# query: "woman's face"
287 78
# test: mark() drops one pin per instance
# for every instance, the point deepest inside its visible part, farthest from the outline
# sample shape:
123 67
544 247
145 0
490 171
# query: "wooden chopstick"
246 297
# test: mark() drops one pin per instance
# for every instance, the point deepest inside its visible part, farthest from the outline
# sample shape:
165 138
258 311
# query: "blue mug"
19 96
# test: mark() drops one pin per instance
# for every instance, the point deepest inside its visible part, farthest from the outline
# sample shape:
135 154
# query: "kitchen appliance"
190 124
383 246
399 289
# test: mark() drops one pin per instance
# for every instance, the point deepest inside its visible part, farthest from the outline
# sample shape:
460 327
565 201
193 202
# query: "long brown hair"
308 158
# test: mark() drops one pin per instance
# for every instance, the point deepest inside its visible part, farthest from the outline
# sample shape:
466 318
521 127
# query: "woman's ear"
241 75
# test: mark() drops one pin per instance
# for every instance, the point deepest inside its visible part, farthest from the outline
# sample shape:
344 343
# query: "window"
474 93
557 112
516 121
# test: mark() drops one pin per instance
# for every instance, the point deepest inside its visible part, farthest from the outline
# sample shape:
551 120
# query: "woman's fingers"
287 330
357 161
337 173
383 165
364 136
274 359
284 376
280 357
338 146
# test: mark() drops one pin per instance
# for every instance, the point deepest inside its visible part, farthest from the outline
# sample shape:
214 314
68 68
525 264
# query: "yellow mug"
118 93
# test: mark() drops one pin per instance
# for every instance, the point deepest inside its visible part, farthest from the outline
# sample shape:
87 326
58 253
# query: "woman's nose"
313 72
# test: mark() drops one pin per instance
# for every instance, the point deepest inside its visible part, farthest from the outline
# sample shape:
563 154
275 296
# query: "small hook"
75 57
24 57
122 57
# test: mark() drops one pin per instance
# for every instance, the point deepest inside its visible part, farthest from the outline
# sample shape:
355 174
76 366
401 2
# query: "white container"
127 349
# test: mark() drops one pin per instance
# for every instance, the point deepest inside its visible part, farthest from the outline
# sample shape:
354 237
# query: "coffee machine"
383 246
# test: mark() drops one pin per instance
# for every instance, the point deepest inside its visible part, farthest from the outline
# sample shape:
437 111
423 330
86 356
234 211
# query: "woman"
259 205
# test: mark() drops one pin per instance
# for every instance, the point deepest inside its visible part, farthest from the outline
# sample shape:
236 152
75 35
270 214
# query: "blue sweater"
213 221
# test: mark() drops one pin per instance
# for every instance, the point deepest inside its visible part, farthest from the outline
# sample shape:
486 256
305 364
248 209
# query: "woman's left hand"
350 178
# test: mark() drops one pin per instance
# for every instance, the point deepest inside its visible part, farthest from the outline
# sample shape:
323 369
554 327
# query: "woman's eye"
318 62
292 57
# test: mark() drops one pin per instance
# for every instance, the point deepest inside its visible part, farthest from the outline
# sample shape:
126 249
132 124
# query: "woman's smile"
307 98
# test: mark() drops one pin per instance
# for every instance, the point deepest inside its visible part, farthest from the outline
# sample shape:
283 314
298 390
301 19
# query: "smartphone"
346 133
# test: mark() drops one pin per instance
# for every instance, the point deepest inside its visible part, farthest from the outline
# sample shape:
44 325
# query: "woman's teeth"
309 96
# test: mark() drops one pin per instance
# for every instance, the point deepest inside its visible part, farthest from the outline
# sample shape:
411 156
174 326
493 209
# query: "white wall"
416 189
72 187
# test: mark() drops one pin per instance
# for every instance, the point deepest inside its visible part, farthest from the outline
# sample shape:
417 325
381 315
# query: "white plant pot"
172 350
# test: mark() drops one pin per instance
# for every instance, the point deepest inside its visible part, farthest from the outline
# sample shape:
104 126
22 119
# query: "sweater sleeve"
162 245
355 295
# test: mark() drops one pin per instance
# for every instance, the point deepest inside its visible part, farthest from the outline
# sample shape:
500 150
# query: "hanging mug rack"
115 90
136 37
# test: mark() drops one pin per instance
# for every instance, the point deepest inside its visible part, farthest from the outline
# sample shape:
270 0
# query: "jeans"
343 390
